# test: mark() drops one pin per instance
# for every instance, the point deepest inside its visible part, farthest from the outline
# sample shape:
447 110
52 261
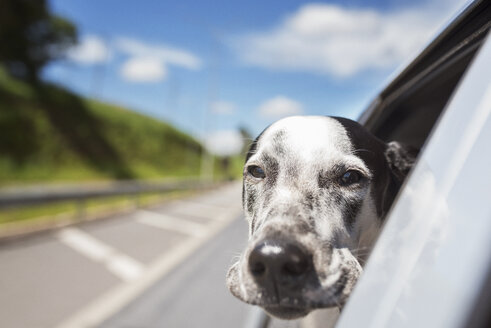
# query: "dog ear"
401 158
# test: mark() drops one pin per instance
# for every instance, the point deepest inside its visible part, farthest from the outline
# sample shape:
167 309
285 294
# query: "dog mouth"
320 289
290 308
288 304
304 302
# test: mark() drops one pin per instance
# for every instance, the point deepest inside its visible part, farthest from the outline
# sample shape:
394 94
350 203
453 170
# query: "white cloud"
90 50
280 106
149 62
224 142
167 54
223 107
331 39
143 69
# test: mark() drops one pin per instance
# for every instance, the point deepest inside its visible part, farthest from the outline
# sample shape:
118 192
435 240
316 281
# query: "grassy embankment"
49 135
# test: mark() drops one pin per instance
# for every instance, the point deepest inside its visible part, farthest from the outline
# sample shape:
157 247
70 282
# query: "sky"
211 67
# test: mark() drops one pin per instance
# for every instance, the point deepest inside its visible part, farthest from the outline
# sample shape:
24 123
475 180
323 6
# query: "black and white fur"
310 233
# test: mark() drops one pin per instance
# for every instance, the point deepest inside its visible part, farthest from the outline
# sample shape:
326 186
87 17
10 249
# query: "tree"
30 37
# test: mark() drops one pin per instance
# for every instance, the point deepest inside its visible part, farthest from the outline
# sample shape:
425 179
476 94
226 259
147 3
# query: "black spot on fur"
243 195
267 195
322 180
253 225
309 200
291 170
272 167
337 199
351 209
278 143
312 220
251 199
302 228
342 282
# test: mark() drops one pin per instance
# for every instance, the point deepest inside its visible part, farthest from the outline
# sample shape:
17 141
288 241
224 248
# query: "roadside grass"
48 134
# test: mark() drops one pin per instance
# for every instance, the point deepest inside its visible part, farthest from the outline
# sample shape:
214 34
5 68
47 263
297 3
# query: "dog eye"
350 177
256 171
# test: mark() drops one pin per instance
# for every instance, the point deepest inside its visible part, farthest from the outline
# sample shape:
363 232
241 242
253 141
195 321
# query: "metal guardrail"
16 197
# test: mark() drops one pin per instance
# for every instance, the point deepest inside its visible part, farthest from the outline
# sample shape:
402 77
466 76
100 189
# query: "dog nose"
277 262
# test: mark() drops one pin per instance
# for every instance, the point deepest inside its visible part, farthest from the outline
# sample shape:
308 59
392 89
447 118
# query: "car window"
408 108
432 259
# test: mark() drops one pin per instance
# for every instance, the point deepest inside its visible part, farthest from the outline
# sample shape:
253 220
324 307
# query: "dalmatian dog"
315 192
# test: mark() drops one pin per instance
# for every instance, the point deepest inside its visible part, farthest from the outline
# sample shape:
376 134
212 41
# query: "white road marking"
85 244
121 265
166 222
127 268
116 299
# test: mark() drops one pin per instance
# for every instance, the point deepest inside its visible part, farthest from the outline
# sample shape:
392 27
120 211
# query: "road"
160 266
194 294
84 275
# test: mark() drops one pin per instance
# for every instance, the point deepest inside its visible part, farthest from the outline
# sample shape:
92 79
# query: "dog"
315 193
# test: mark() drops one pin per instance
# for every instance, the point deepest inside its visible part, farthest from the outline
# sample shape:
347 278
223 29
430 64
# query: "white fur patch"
309 137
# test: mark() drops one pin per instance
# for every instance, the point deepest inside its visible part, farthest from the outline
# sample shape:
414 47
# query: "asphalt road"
162 266
194 294
84 275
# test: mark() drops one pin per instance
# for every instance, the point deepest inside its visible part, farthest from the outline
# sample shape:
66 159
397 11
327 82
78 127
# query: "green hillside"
48 134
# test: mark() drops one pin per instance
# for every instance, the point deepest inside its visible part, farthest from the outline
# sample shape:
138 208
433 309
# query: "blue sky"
211 66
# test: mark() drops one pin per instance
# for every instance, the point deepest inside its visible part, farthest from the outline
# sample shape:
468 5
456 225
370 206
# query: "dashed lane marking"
115 299
166 222
121 265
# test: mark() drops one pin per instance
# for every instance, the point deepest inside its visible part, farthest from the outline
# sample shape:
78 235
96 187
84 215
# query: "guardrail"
16 197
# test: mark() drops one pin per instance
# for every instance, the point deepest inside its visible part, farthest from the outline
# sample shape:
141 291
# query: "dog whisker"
360 248
362 261
361 254
362 150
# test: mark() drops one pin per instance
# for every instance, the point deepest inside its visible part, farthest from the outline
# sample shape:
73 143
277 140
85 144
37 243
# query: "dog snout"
275 264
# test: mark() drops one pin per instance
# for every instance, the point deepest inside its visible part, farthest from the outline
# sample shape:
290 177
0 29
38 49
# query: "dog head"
315 192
